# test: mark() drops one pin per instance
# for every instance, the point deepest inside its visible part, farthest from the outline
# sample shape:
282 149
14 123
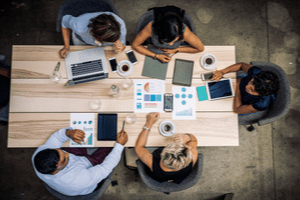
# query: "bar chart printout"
184 103
84 122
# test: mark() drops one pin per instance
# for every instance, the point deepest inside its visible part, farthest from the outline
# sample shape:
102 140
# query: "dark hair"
45 161
105 28
168 26
266 83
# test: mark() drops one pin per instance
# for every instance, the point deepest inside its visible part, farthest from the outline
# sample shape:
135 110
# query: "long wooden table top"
39 107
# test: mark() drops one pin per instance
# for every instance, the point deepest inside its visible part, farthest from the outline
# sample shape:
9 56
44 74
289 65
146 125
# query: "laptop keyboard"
87 67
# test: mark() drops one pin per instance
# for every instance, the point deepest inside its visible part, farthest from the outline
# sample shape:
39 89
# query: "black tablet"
183 72
107 127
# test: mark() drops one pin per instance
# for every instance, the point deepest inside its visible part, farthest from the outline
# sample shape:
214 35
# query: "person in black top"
254 92
172 163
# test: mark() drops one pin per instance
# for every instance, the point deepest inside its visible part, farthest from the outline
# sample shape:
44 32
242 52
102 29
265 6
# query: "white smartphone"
113 64
207 76
131 57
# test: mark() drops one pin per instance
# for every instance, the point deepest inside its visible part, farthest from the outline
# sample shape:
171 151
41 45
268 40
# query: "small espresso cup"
168 128
209 61
125 68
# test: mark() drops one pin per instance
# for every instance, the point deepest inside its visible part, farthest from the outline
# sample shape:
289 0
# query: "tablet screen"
220 89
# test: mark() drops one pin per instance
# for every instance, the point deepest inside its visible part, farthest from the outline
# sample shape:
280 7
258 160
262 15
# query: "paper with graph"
184 103
85 122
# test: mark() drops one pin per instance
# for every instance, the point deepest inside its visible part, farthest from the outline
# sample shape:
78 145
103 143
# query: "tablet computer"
219 90
107 127
183 72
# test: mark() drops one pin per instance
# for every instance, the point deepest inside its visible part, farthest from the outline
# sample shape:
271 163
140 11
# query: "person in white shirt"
71 174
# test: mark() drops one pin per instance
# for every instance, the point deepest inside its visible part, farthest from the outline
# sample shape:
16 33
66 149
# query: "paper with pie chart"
85 122
184 103
148 95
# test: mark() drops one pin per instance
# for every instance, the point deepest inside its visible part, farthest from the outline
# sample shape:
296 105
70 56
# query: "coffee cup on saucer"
208 61
167 128
125 68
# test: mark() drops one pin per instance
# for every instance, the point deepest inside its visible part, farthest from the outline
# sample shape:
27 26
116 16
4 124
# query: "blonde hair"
176 156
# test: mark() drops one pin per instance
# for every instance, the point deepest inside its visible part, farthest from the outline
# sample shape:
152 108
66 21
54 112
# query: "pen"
123 125
175 53
57 67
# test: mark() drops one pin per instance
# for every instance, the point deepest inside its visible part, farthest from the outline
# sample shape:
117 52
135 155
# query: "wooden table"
39 107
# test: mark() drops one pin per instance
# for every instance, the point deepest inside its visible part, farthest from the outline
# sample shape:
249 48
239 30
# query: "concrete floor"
265 165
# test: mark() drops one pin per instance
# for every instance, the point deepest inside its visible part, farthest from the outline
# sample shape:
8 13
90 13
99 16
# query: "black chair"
149 16
92 196
76 8
281 105
168 187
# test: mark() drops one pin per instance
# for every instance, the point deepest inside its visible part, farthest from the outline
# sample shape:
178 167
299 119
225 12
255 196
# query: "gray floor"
265 165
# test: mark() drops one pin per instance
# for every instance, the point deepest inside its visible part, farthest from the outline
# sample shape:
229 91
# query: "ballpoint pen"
56 69
175 53
123 125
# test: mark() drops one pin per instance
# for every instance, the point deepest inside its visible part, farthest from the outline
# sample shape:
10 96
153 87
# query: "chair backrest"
188 182
283 99
79 7
92 196
149 16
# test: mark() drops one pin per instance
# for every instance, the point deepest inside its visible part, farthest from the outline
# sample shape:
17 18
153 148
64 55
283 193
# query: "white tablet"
219 90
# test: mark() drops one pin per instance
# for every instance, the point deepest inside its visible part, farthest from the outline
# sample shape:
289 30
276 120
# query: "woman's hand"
217 75
169 51
163 58
64 52
118 46
151 119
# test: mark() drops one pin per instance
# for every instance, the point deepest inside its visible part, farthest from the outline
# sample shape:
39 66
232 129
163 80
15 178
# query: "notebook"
107 127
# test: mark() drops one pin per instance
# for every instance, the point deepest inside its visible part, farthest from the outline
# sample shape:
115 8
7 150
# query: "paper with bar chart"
184 103
148 95
85 122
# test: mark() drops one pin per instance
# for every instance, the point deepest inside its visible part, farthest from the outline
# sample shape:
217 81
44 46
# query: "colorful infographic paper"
85 122
149 95
184 103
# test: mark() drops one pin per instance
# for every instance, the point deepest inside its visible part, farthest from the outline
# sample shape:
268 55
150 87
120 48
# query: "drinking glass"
55 76
126 83
114 91
131 118
95 104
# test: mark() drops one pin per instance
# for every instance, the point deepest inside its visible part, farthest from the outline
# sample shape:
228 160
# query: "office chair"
92 196
149 16
281 105
79 7
168 187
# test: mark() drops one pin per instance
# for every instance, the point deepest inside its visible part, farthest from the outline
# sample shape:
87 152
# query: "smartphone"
113 64
207 76
131 57
168 102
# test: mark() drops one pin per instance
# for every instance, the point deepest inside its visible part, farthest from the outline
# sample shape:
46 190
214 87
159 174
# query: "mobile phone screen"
131 57
113 64
168 102
208 76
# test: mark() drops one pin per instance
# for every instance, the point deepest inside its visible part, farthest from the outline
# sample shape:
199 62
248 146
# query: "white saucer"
127 62
206 66
162 131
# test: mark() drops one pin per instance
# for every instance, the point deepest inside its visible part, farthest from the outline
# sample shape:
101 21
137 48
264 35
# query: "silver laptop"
85 66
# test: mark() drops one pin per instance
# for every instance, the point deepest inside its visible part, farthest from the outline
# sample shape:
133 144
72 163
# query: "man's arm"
4 72
232 68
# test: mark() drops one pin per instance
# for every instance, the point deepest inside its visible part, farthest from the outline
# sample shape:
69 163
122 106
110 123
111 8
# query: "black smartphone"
131 57
168 102
113 64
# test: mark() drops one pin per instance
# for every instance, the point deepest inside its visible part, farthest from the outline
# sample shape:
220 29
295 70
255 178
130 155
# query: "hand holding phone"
207 76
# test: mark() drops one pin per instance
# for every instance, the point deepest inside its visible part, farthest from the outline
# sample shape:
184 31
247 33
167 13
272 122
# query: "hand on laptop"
64 52
122 137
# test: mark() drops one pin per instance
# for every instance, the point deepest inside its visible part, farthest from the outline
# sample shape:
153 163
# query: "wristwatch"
146 128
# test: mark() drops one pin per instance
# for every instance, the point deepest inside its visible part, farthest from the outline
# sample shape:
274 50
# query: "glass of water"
131 118
55 76
114 91
95 104
126 83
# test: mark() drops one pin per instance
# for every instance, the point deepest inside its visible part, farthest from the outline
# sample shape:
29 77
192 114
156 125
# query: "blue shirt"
79 177
80 27
258 102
